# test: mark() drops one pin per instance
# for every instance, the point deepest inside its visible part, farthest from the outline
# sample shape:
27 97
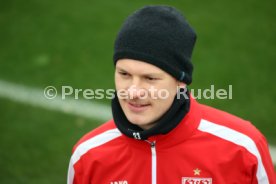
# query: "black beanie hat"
158 35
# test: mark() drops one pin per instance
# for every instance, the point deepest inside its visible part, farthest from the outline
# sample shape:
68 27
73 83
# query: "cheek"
119 84
165 98
165 93
162 105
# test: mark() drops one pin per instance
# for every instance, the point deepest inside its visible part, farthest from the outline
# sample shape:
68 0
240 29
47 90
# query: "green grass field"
62 42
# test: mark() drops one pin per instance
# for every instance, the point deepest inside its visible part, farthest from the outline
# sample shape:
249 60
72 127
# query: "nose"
135 92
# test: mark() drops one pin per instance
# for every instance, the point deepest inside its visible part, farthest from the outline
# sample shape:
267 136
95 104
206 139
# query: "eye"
151 78
122 73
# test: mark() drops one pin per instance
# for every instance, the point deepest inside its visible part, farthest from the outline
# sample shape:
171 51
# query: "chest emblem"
196 179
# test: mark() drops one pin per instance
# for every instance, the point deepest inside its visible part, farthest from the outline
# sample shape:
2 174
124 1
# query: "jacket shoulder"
107 126
244 135
230 121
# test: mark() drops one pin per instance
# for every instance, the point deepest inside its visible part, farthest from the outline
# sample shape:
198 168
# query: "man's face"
149 91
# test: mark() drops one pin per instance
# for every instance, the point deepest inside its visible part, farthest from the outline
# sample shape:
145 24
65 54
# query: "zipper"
153 162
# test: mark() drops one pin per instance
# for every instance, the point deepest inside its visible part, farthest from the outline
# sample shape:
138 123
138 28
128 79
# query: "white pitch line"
272 150
35 97
83 108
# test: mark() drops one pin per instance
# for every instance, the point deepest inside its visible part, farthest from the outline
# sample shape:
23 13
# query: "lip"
137 107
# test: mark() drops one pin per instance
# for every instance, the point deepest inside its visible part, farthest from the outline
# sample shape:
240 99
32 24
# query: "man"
157 140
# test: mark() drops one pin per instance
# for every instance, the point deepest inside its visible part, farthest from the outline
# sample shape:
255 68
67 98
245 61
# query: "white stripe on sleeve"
88 145
239 139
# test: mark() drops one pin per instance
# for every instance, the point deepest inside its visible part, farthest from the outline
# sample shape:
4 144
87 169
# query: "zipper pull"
152 144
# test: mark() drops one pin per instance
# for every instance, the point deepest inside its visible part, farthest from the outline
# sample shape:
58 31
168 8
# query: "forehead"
136 66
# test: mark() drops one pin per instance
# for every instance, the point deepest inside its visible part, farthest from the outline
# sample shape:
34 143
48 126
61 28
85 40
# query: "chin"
136 120
140 121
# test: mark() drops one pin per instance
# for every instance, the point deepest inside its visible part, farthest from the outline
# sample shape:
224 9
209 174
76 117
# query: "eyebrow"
145 74
118 68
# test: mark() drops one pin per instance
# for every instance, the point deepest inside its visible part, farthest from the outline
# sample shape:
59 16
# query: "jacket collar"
165 124
184 130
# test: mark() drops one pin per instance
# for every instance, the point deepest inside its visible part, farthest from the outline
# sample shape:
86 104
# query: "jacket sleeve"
76 173
266 160
71 173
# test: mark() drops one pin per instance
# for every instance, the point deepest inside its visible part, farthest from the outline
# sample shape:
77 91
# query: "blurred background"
55 43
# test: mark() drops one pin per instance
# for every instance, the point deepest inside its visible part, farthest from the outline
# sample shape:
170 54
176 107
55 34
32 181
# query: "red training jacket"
208 146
